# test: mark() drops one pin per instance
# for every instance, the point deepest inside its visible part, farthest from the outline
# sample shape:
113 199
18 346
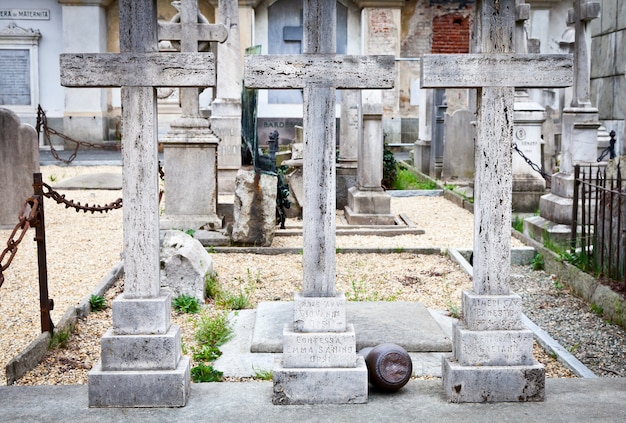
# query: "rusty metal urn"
389 366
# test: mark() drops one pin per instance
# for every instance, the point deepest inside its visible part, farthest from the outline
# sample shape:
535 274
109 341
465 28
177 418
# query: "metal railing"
599 221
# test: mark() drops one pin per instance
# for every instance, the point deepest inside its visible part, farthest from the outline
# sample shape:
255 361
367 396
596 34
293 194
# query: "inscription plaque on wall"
14 77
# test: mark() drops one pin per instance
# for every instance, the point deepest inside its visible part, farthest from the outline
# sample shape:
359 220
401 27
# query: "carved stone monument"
579 136
492 350
319 363
141 364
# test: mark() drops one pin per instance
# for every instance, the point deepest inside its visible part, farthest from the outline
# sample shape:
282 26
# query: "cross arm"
137 70
206 32
321 70
496 70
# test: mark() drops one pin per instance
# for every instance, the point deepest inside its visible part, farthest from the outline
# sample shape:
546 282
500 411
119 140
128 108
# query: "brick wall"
451 34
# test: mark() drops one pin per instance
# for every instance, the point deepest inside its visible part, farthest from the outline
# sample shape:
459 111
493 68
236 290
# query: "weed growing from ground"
186 304
538 262
597 309
60 338
97 303
518 223
206 373
211 285
213 330
263 374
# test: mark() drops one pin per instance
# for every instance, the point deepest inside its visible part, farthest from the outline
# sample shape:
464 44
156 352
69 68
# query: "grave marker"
190 146
319 71
151 377
495 375
19 159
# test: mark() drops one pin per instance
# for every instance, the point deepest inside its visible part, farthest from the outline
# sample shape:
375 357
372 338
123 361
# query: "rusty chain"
534 166
60 199
26 219
42 127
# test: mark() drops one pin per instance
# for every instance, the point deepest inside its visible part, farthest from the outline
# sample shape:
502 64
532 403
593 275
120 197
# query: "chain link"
534 166
26 218
60 199
42 127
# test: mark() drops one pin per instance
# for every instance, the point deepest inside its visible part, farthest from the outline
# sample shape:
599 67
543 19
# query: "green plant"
518 223
211 285
389 168
574 347
557 284
60 338
405 179
205 373
190 232
553 355
53 178
597 309
213 330
454 311
263 374
186 304
205 353
97 303
238 301
538 262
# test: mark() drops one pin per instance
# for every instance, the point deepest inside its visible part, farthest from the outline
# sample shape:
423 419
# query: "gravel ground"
82 248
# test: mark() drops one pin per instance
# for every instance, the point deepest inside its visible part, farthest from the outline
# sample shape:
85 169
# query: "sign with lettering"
15 77
28 14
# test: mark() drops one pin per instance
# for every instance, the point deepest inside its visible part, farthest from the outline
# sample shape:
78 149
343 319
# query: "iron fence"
599 220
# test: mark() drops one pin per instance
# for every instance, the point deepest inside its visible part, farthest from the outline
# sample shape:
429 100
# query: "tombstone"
226 108
155 375
579 137
19 159
492 350
436 145
421 151
458 158
294 176
368 203
528 118
318 374
349 141
190 146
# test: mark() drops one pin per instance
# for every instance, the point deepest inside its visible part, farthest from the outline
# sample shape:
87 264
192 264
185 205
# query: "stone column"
421 155
226 108
368 203
85 30
350 134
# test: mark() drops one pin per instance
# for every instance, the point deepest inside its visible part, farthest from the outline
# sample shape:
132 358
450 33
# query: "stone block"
562 185
369 201
538 228
493 383
143 388
493 347
321 386
556 208
319 349
141 352
142 315
184 265
492 312
319 314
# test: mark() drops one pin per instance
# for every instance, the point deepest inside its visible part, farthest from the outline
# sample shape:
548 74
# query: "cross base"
493 383
320 385
147 388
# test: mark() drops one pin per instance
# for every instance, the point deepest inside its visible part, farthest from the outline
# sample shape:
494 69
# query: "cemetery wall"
608 65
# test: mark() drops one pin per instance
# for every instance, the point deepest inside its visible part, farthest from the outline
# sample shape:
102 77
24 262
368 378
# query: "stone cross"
470 376
190 147
522 14
141 313
319 311
580 15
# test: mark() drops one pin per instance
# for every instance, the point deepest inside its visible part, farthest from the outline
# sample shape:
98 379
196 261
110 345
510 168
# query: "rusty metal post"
46 304
575 208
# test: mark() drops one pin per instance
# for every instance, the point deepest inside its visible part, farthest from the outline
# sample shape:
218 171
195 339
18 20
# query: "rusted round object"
389 367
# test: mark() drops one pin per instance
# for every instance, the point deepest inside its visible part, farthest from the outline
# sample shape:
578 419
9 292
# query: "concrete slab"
567 400
409 325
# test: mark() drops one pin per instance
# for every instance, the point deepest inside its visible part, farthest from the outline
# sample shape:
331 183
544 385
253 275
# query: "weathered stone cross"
141 313
480 370
319 311
580 15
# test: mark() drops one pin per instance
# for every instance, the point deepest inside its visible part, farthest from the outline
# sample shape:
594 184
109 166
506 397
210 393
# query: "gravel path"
82 248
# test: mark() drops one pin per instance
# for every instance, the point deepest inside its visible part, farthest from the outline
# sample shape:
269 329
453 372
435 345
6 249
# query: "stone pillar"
421 155
226 108
382 27
85 31
368 203
349 140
